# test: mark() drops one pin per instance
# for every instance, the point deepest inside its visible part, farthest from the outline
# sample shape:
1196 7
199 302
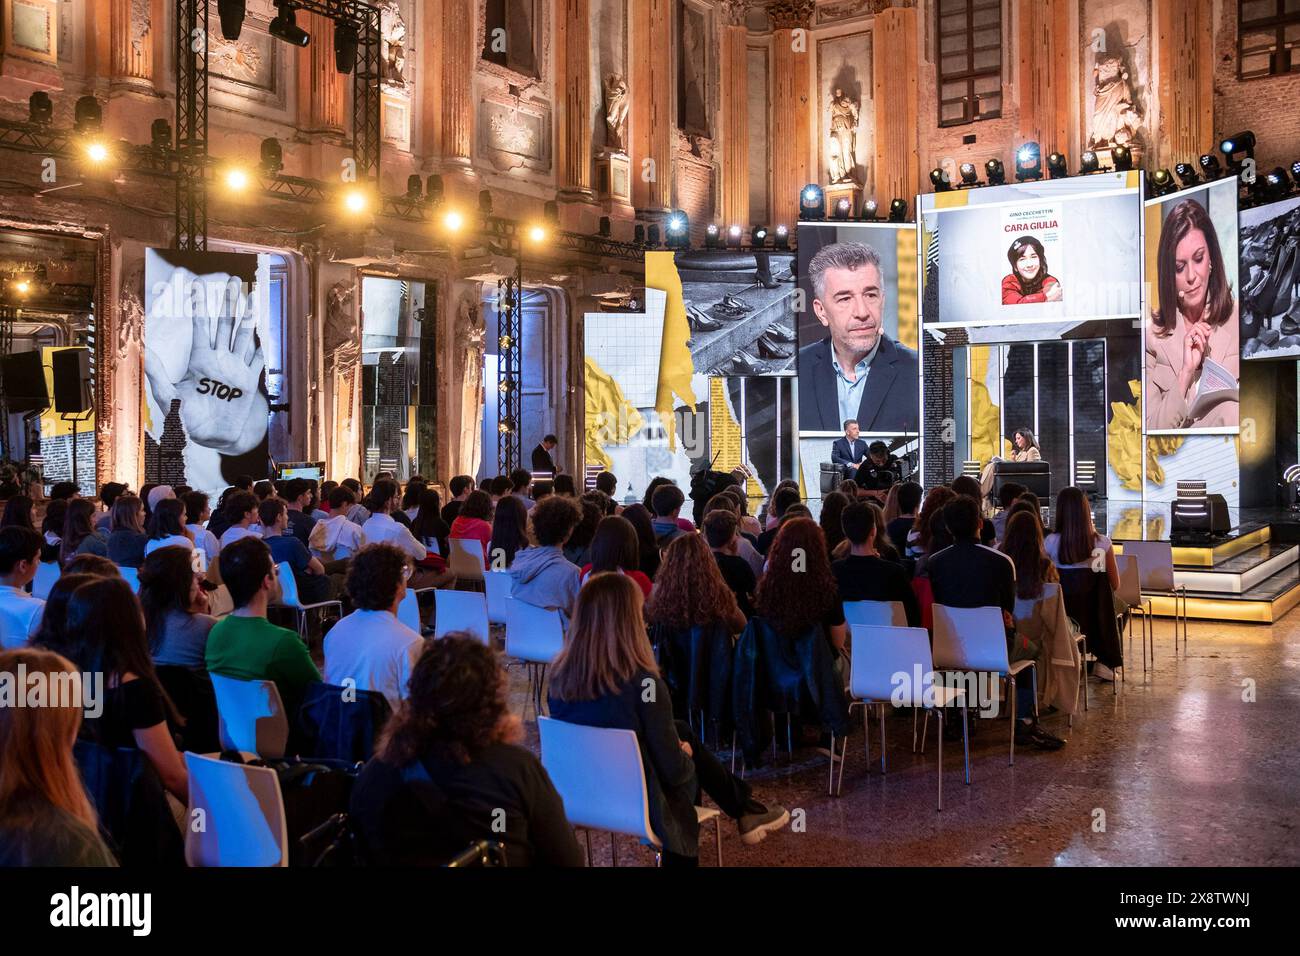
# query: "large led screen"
1270 280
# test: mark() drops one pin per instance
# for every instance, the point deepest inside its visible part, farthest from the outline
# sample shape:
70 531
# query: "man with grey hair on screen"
856 371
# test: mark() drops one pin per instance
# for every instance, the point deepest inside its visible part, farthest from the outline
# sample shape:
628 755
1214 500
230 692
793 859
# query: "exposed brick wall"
693 192
1270 107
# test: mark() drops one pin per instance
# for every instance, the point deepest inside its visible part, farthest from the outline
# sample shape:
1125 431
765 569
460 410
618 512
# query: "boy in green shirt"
244 644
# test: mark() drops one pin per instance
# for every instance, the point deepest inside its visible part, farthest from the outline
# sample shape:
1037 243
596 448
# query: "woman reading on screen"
1024 447
1029 280
1195 325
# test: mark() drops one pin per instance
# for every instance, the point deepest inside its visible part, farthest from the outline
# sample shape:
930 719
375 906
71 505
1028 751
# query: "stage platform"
1251 574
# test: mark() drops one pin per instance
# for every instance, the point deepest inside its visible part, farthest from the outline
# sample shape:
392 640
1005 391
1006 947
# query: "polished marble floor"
1178 769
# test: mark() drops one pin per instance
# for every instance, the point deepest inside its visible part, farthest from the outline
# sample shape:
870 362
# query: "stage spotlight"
97 151
537 233
712 236
604 227
782 238
870 210
812 202
40 108
1187 175
1210 166
1122 157
272 156
1088 162
1057 168
1276 185
993 171
898 210
285 26
232 18
345 46
1162 183
734 235
1243 142
88 115
1029 163
652 235
485 202
939 180
434 192
414 188
969 175
1295 173
160 135
843 208
638 234
758 237
452 220
236 179
355 200
678 230
22 286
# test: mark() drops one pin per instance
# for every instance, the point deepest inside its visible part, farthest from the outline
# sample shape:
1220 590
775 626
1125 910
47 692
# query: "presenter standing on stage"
542 460
849 451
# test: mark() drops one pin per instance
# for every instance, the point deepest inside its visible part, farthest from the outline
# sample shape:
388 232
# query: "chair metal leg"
925 732
940 710
717 823
587 840
965 741
914 721
789 738
883 750
1011 679
613 847
830 784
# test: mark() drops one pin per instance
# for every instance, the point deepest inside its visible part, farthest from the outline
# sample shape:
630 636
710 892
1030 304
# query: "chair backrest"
340 723
886 613
1155 563
466 558
46 574
1025 606
461 611
251 716
599 776
288 586
533 633
499 585
408 612
131 576
891 663
242 814
970 639
1130 579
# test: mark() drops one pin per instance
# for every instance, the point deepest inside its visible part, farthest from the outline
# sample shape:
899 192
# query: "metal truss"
190 52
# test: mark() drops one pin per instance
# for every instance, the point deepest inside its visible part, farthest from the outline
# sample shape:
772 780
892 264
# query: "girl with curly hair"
798 590
447 760
690 590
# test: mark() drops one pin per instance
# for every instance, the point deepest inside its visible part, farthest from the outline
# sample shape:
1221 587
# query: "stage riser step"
1235 582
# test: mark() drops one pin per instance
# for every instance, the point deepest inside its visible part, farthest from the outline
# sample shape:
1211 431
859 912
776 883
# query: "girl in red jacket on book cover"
1029 280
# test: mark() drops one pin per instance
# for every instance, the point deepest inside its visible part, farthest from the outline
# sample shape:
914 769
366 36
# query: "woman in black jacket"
606 676
449 770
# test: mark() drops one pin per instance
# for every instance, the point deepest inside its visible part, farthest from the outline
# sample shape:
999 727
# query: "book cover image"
1032 234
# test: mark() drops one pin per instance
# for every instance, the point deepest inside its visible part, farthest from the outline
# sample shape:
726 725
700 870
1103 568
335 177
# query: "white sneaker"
1102 672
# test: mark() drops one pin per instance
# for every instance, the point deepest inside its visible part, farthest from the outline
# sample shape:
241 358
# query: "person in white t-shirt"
20 613
197 513
167 527
380 528
241 510
371 646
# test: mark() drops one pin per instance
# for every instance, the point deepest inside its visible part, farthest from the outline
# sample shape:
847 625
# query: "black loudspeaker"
1193 519
72 381
24 382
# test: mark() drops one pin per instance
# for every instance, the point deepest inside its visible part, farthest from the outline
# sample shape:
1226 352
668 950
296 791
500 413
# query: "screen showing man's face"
851 306
851 433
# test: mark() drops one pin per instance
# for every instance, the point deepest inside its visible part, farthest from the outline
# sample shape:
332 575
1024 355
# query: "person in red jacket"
475 522
1029 280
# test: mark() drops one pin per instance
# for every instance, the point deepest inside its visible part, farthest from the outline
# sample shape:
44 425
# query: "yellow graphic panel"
611 419
675 365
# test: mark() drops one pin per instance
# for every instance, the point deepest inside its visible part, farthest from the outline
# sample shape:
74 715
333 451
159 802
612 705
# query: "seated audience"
411 498
833 506
649 558
591 507
263 490
509 532
799 593
53 631
197 514
241 518
156 495
18 511
968 574
615 549
607 483
79 534
691 591
450 769
1007 496
970 486
336 538
918 539
907 497
866 576
782 499
382 528
308 572
244 644
474 523
563 485
20 613
371 646
46 816
95 564
105 634
667 505
167 527
108 493
357 513
56 516
600 680
745 549
520 480
299 495
176 622
541 575
723 538
1075 542
460 486
501 486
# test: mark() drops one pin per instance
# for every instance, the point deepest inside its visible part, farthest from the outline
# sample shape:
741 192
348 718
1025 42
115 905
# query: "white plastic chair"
599 776
251 716
1130 592
535 636
241 812
289 598
131 576
881 654
1156 576
461 611
875 613
499 585
47 572
975 640
408 612
466 559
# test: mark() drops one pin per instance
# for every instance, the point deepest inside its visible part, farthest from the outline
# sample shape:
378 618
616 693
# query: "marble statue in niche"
692 71
616 110
392 29
1116 116
842 148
